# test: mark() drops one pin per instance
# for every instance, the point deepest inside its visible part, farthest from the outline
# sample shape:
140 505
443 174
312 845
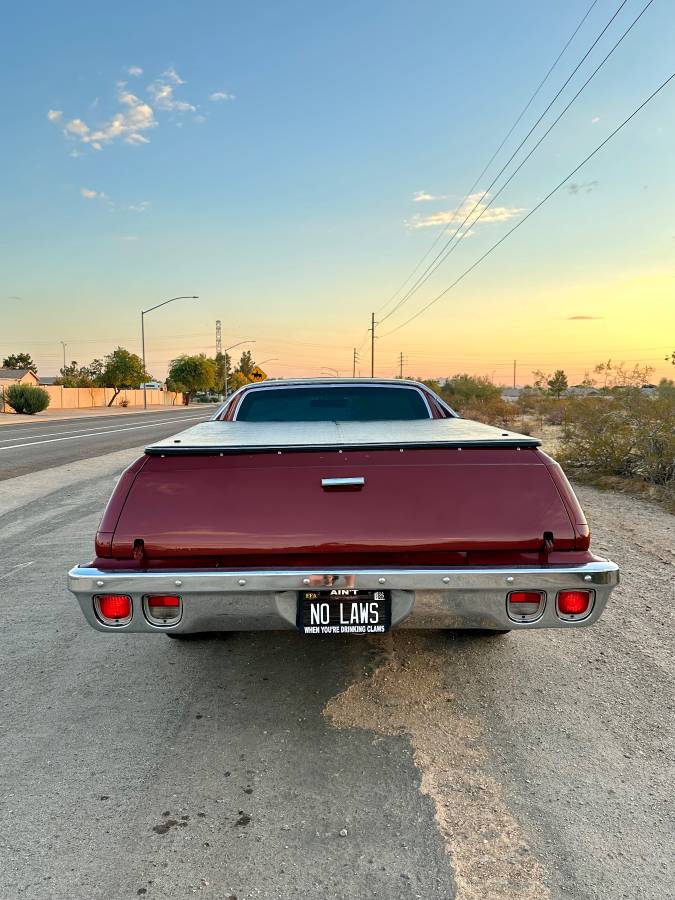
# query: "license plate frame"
341 617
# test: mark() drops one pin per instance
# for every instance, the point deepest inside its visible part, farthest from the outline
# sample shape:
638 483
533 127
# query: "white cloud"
134 71
172 75
90 194
424 197
456 217
220 96
162 95
141 207
595 120
54 115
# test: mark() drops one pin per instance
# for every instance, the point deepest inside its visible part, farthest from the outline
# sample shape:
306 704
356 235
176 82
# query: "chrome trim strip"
251 599
356 481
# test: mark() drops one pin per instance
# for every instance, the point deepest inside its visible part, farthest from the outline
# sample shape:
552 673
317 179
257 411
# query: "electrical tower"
219 342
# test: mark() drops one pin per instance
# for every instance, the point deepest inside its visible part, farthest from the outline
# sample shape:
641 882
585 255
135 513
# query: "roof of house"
16 374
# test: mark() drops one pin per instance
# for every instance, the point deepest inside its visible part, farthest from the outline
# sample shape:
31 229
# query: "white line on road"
102 428
75 437
16 569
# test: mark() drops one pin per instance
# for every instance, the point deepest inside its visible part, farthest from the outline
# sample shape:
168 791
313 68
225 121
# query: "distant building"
9 377
48 379
511 394
582 390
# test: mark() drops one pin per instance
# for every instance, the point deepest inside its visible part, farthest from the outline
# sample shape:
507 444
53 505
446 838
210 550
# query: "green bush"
26 399
626 434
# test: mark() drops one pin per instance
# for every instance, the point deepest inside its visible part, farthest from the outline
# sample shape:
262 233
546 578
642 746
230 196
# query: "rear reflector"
574 603
162 609
525 606
113 609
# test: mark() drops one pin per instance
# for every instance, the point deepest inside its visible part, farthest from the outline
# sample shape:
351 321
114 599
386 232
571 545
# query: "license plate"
345 611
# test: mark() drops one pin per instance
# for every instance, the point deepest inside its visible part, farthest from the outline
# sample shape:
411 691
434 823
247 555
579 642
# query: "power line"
423 277
535 208
494 155
445 253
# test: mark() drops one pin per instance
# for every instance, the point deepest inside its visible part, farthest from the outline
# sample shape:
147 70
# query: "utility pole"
354 362
219 342
400 359
372 345
514 373
64 344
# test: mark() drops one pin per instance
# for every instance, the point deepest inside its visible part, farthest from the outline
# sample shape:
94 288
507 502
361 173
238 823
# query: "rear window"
332 404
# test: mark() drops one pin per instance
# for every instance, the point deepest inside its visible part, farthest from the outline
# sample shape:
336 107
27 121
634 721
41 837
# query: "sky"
292 163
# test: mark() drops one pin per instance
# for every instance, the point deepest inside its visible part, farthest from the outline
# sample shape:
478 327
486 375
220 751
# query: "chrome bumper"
252 600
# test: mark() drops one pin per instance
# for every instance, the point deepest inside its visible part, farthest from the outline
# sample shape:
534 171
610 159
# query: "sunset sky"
291 163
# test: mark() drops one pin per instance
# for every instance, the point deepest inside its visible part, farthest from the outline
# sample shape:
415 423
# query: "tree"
121 369
223 368
189 374
671 358
557 384
20 361
246 363
618 375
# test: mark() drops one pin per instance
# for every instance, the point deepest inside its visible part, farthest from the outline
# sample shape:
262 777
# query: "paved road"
32 446
525 767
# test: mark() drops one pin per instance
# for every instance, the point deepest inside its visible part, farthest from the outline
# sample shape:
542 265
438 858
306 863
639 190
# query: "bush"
626 434
26 399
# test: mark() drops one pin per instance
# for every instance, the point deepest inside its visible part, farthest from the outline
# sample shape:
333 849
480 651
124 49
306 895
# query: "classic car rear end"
280 515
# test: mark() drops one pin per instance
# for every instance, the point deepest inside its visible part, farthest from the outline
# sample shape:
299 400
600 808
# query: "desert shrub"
26 399
476 397
492 411
627 434
123 402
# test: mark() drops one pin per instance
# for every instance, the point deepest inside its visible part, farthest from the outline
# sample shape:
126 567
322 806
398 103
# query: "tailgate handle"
354 483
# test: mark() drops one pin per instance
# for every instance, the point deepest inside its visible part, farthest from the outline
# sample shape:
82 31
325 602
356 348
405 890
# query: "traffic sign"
257 374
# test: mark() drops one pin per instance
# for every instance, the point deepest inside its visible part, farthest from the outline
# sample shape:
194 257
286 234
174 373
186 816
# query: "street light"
143 314
329 369
270 359
232 348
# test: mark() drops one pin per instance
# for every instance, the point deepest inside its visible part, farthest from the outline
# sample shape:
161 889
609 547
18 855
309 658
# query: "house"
17 376
48 380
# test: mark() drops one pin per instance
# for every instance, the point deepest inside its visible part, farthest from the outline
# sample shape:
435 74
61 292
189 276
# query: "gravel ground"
417 765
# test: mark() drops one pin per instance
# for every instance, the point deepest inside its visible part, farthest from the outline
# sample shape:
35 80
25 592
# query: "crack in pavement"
407 694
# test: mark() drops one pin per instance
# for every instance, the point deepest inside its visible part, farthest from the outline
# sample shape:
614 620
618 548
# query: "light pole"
269 359
143 314
329 369
64 344
231 347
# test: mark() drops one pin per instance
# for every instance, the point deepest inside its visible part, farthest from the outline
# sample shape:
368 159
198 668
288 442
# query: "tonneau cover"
242 437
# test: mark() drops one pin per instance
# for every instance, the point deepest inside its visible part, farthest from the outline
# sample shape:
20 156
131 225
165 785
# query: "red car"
342 506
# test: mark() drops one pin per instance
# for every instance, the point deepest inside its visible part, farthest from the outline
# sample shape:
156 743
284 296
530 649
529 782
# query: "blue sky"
267 157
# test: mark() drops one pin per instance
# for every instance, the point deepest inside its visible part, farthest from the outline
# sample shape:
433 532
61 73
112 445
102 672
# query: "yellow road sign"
257 374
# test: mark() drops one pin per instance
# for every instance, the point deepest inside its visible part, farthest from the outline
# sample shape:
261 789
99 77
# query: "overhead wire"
420 280
535 208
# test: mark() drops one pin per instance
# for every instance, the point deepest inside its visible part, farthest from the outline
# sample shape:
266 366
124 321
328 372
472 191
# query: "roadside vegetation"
613 430
26 399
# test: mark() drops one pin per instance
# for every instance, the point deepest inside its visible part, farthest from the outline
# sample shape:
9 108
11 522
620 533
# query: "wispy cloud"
424 197
584 187
220 96
595 120
90 194
172 75
456 217
583 318
127 124
137 114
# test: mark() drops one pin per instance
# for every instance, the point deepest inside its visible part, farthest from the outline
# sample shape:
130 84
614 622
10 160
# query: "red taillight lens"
525 606
162 609
574 603
114 606
524 597
164 600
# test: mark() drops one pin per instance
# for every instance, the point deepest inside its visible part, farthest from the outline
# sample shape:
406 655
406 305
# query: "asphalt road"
533 765
32 446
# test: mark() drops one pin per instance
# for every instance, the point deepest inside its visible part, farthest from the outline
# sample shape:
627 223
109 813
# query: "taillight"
162 609
525 606
574 603
113 609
